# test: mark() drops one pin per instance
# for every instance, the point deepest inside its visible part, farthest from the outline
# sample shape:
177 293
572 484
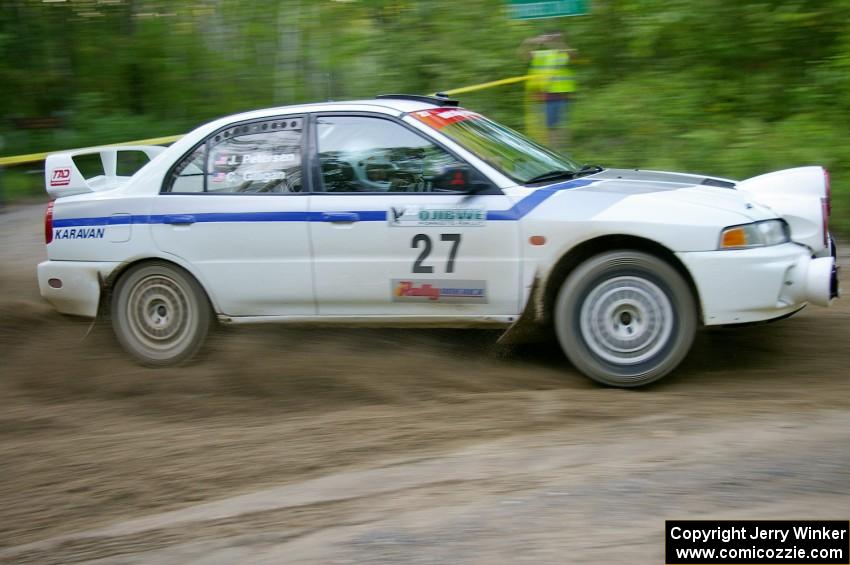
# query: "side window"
262 157
188 175
258 157
363 154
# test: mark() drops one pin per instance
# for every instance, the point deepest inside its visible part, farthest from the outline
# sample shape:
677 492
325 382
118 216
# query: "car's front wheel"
160 314
625 318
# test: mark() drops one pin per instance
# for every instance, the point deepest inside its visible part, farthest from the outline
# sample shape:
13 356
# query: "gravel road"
335 446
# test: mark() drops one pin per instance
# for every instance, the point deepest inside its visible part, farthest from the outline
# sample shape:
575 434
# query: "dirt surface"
398 446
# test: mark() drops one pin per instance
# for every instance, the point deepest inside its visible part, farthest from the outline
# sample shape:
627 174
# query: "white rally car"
410 211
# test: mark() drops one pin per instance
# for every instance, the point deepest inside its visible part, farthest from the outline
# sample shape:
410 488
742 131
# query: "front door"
389 240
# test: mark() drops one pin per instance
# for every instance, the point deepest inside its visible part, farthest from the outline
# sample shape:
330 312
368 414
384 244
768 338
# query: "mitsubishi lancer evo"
410 211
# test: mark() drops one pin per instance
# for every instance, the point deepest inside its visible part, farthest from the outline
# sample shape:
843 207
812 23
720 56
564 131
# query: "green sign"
531 9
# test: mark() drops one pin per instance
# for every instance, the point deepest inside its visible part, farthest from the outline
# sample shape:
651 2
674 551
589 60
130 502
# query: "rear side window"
256 158
188 175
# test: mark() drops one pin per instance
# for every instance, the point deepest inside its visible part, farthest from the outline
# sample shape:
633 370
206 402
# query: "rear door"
387 240
235 208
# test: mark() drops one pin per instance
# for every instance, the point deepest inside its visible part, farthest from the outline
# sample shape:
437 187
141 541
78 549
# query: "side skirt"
491 322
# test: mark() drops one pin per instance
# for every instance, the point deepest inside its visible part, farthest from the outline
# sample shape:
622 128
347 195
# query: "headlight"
757 234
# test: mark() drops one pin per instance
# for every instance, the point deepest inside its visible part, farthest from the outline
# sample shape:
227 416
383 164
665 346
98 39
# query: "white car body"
323 257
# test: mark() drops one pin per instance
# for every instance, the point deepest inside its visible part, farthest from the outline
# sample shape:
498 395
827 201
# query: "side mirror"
459 178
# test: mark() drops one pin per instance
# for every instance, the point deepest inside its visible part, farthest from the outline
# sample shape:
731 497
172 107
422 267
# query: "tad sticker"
60 177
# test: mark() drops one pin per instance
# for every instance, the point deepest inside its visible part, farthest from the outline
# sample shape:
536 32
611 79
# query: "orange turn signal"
734 237
537 240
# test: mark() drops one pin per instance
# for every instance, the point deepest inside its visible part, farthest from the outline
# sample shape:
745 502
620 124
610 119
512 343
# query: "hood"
675 180
661 186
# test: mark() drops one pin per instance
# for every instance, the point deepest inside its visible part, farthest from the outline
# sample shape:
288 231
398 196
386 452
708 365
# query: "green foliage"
724 87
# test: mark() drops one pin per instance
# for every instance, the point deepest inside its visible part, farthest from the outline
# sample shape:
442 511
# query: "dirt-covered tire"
625 318
160 314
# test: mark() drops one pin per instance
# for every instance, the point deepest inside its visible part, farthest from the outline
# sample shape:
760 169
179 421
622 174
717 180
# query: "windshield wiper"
589 170
563 174
552 175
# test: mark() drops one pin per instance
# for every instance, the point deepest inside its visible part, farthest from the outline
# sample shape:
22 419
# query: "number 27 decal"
419 266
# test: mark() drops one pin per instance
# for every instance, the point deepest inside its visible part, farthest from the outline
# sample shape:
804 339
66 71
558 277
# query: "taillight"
48 223
826 206
828 187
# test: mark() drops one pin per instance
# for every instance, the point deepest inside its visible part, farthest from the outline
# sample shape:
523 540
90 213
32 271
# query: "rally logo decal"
419 216
433 290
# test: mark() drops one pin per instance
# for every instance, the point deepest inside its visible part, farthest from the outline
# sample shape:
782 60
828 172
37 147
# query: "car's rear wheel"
625 318
160 314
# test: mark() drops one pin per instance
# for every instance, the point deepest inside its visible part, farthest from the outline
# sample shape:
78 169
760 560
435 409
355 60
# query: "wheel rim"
626 320
159 312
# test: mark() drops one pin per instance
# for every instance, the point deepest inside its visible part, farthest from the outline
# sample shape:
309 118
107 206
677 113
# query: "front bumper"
754 285
73 287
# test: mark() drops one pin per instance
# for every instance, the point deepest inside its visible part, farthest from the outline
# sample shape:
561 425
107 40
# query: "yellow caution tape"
20 159
35 157
482 86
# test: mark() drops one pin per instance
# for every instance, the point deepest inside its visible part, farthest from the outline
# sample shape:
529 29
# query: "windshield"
509 151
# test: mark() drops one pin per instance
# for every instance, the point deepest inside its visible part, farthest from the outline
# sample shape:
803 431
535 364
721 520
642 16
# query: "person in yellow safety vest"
552 83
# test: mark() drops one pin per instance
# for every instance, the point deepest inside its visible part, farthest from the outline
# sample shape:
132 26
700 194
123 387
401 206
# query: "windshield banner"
441 117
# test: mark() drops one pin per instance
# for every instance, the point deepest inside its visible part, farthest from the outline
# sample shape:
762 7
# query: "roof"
400 106
390 106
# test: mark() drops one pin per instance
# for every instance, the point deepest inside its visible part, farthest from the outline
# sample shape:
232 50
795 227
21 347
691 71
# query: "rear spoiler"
62 177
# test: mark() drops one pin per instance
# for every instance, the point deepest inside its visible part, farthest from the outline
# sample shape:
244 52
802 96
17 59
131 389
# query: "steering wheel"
367 167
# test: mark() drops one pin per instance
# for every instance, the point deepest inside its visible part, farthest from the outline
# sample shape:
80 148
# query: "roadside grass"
664 122
22 183
646 122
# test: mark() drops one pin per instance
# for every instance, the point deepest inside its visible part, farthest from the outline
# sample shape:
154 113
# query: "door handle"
179 219
341 217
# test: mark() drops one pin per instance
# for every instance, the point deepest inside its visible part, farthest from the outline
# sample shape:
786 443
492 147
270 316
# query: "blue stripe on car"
514 213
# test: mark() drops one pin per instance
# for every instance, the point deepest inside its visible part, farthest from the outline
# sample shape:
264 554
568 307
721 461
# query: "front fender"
801 197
